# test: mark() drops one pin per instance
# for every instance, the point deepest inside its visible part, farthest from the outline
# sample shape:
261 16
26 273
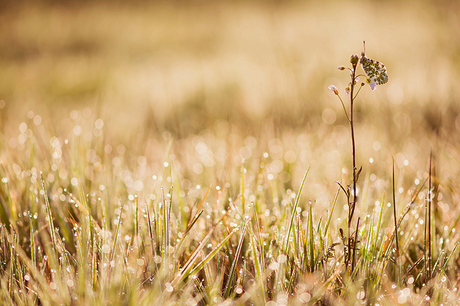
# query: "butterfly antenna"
364 45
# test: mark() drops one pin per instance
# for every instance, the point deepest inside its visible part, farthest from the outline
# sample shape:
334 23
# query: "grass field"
179 153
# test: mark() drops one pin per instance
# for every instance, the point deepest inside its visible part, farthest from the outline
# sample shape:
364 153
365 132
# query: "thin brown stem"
351 205
397 270
394 210
430 196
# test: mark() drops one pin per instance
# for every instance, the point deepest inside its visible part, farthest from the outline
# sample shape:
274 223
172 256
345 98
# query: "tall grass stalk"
235 259
49 214
293 212
398 267
428 242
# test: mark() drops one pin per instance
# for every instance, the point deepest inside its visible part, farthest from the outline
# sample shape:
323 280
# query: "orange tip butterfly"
375 70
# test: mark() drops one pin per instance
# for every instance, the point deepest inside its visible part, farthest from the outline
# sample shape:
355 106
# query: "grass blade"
258 267
310 240
210 255
232 272
194 256
293 212
48 211
444 267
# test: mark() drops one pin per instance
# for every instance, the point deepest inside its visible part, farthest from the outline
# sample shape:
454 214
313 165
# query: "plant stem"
398 267
351 205
430 196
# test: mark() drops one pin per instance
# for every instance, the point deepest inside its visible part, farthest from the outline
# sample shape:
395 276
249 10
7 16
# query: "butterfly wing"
374 70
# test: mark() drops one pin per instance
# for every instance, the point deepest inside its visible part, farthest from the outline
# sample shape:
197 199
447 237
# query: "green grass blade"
152 239
444 267
310 241
232 271
293 212
379 223
48 211
328 222
187 231
115 239
210 256
189 264
258 267
32 241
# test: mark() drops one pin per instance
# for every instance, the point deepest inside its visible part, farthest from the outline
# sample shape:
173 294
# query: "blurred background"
257 70
181 65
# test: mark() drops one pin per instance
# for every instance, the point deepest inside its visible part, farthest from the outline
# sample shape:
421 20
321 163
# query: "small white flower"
334 89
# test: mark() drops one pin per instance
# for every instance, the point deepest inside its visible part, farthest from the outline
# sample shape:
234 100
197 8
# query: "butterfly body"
374 70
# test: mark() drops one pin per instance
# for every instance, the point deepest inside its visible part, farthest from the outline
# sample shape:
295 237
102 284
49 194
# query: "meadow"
191 153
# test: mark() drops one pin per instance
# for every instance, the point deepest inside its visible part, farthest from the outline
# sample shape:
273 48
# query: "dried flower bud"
334 89
341 68
354 59
347 90
362 84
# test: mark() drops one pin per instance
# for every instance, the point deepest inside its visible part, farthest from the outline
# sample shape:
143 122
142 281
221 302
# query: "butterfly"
375 70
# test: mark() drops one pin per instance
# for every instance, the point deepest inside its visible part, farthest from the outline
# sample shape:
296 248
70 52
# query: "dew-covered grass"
213 218
164 177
